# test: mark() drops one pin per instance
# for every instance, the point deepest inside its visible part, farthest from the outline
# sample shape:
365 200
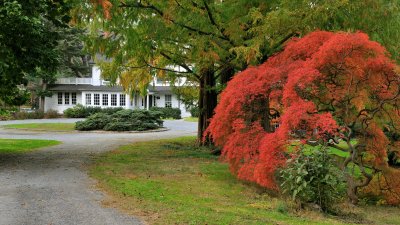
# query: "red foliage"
323 83
386 185
106 6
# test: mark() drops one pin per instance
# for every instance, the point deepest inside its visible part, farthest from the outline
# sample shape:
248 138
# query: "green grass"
43 126
168 118
191 119
173 182
8 146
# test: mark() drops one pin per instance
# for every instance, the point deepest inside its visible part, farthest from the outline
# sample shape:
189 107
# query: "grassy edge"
42 126
111 179
20 146
191 119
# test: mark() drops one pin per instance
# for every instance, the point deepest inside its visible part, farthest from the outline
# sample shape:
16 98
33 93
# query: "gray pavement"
51 186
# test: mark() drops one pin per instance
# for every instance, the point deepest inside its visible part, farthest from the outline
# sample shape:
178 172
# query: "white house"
95 92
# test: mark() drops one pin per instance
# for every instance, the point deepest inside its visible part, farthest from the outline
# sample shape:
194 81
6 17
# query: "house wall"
51 103
96 76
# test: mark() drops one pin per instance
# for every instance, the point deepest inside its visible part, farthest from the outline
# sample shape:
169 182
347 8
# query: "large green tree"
148 36
212 40
29 40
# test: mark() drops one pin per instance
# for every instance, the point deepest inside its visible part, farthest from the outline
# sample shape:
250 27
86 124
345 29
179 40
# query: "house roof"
88 87
84 87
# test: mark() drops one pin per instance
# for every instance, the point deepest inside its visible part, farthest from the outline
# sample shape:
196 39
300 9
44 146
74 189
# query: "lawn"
8 146
173 182
43 126
191 119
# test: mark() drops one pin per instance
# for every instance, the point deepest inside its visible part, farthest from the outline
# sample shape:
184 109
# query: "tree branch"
338 147
169 70
155 67
214 23
162 14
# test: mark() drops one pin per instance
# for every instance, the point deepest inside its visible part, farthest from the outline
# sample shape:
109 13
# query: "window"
122 100
113 99
73 98
96 99
60 98
88 99
168 101
105 99
66 98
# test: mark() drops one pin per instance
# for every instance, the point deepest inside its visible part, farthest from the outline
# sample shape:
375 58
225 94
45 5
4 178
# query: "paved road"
51 186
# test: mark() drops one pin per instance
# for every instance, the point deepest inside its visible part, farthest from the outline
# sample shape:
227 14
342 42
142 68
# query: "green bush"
80 111
94 122
123 120
118 126
5 115
110 110
313 178
195 112
174 113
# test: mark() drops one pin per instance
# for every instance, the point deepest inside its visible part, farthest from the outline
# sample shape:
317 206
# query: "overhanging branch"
162 14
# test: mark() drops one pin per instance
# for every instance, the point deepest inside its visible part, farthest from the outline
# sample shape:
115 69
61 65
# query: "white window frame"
104 101
60 99
67 99
73 98
88 98
96 99
168 101
122 99
114 102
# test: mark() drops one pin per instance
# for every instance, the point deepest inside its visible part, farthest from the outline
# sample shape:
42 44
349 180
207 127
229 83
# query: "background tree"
74 60
27 41
332 86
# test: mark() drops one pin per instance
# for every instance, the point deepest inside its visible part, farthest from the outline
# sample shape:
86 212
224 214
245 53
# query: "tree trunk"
207 102
226 74
266 119
352 194
42 97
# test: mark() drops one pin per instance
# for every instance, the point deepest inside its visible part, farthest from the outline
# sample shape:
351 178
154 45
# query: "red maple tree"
333 87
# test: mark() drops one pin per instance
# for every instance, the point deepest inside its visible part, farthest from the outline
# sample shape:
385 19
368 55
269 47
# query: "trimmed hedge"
123 120
94 122
80 111
174 113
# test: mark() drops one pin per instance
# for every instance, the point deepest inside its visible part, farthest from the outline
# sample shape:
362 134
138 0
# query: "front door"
151 101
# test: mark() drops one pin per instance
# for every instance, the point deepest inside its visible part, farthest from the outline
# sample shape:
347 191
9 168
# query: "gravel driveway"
51 186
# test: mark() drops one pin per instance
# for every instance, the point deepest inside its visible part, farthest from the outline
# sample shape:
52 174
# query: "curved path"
51 186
